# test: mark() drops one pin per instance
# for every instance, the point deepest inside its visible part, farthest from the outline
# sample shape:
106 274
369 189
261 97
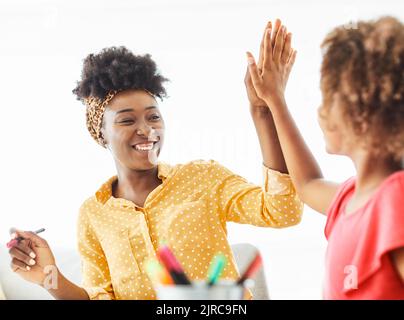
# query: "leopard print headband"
95 112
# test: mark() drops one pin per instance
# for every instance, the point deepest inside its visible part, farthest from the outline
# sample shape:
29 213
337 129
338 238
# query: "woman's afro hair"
117 68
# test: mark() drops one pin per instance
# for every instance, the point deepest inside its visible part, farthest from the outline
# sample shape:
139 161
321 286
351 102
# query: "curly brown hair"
364 66
117 68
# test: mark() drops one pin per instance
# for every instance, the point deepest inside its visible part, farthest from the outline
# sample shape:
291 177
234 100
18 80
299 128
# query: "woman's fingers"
287 49
22 256
279 41
267 50
25 246
33 237
277 25
19 265
261 56
252 68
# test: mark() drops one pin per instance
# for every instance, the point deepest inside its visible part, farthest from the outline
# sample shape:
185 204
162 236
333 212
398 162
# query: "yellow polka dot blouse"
188 211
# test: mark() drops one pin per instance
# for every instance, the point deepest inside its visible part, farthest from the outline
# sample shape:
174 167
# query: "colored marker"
254 266
216 268
13 242
157 273
172 265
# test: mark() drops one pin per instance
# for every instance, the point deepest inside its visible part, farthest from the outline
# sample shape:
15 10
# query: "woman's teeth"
145 146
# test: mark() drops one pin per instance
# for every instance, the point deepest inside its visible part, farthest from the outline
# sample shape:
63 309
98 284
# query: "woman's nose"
144 129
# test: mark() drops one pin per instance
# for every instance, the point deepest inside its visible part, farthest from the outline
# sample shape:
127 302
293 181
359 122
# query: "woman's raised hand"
255 101
270 75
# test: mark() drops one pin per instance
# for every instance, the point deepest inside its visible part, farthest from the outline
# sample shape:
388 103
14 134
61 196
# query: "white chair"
15 288
243 254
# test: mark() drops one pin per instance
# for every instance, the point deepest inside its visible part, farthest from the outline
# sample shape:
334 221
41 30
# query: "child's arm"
270 85
303 168
262 118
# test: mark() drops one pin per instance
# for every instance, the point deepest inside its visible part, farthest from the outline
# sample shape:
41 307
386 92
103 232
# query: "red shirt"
358 265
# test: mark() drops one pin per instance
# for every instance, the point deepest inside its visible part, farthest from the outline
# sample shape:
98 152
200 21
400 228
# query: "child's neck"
372 170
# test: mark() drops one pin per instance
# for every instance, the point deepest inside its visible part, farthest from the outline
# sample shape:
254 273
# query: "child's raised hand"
269 80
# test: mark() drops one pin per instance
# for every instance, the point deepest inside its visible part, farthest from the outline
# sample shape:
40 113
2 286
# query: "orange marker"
254 266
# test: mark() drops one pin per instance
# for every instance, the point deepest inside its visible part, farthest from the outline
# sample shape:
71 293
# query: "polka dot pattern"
188 211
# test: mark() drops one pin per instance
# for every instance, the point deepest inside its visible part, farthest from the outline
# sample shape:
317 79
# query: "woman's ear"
104 140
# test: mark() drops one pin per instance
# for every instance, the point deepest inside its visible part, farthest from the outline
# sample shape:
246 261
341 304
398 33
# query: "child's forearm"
268 138
67 290
302 166
269 80
300 161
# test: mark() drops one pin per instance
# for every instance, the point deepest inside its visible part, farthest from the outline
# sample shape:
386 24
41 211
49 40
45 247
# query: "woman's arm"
274 204
270 86
67 290
268 138
263 122
33 260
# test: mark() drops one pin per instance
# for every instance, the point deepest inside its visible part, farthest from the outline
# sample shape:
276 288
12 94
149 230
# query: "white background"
49 163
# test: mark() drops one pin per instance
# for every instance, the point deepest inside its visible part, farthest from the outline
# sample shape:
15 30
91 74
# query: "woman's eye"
126 121
155 117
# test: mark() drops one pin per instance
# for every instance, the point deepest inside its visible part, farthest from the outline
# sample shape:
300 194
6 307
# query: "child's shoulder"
395 179
344 189
392 188
392 184
389 194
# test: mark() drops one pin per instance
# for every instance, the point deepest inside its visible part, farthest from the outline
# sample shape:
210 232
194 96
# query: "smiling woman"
185 205
139 151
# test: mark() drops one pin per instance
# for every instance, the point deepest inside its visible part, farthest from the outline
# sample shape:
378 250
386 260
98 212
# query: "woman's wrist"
63 289
52 278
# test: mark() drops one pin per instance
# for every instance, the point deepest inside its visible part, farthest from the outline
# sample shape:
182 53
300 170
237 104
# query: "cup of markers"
171 283
199 290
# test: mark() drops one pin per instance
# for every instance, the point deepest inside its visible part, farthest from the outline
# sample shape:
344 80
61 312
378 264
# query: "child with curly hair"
362 117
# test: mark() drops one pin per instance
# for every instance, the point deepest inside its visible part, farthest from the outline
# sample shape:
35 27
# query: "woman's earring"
104 143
